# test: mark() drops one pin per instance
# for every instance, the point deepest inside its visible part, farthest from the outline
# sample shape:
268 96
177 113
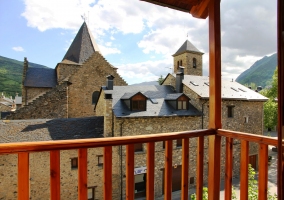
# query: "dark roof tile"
40 77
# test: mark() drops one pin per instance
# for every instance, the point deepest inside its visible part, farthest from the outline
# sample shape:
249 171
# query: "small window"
230 111
177 64
164 144
180 62
95 97
191 180
138 147
74 163
100 160
194 62
138 105
179 142
91 193
182 105
246 120
108 96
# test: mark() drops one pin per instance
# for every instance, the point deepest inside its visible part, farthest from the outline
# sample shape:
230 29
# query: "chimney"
181 69
179 85
109 83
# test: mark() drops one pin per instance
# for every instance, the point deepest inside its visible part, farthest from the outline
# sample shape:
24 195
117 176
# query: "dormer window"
135 101
182 103
194 62
178 101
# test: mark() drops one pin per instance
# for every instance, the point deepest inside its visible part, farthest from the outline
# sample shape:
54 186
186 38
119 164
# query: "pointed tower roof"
187 47
82 47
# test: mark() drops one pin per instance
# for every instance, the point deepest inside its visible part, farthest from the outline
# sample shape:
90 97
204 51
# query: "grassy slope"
11 75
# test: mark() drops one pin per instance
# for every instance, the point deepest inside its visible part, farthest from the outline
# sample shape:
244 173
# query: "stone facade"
52 104
186 60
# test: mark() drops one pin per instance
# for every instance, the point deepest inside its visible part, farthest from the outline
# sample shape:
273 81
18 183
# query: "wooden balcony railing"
54 147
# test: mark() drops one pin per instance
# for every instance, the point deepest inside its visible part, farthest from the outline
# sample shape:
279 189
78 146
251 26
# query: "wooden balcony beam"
130 172
200 168
244 170
82 174
185 168
168 170
263 172
23 176
7 148
150 187
229 168
280 128
107 173
54 174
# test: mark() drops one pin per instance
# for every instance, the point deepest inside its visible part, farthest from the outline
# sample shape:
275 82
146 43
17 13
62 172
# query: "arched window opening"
95 97
180 62
194 62
177 64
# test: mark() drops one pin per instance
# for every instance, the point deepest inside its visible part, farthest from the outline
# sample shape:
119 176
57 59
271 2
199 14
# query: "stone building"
73 85
179 104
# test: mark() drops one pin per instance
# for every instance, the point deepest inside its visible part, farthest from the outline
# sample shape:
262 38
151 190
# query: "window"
108 96
138 105
182 105
180 62
100 160
194 62
138 147
179 142
191 180
74 163
95 97
177 64
230 111
246 120
91 193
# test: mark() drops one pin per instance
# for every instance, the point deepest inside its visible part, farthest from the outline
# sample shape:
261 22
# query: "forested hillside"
11 75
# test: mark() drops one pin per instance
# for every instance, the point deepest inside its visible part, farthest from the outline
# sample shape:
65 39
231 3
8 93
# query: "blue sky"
137 37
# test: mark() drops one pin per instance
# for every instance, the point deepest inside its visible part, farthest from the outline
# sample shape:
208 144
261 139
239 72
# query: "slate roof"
230 90
82 47
40 77
173 96
156 105
187 46
51 129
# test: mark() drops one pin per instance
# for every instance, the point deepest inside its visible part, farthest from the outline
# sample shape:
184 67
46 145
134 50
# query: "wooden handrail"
6 148
248 137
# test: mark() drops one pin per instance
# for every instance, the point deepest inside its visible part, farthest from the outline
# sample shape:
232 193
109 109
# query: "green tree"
160 80
270 107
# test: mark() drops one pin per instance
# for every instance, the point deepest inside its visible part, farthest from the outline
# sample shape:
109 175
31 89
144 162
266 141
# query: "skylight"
206 83
154 101
241 90
234 89
193 83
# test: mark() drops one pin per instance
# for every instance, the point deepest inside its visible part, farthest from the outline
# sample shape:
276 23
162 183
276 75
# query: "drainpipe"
202 125
120 149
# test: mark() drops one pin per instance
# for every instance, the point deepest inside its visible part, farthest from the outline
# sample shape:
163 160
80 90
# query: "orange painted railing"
54 147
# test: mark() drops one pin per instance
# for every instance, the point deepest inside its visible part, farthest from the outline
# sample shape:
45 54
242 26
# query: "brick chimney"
109 83
179 85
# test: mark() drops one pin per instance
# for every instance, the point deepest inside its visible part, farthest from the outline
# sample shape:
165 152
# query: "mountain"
260 72
11 72
147 83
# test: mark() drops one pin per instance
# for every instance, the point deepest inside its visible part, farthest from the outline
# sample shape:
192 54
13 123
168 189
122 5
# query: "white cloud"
248 31
18 48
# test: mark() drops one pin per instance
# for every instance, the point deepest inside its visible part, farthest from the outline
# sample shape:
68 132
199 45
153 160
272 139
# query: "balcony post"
23 176
215 98
280 54
130 172
108 172
82 174
55 174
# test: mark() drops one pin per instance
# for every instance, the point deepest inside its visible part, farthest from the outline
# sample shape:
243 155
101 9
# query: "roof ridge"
187 46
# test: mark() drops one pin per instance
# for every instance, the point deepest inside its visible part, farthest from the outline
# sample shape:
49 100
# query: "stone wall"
52 104
88 79
64 70
4 108
31 93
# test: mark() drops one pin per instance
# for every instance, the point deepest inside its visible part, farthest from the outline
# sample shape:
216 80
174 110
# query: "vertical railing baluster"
54 174
185 166
82 174
150 188
263 172
168 170
244 170
229 168
200 167
23 176
108 173
130 172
